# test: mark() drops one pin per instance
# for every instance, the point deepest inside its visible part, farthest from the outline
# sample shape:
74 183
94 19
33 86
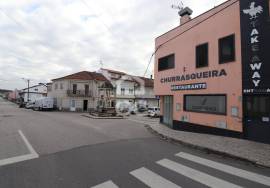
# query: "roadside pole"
28 83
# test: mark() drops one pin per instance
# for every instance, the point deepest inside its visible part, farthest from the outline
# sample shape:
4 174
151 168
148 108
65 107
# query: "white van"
154 111
45 103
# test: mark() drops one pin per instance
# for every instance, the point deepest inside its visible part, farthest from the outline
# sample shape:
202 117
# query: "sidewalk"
254 152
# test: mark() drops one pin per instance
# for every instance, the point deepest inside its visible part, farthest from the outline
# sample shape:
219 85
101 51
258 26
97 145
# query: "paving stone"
254 152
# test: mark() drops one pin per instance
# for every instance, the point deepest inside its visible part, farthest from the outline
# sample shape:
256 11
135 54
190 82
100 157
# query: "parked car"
154 111
132 110
29 105
142 109
45 103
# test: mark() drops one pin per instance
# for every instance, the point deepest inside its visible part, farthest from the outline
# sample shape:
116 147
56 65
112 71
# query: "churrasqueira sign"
194 76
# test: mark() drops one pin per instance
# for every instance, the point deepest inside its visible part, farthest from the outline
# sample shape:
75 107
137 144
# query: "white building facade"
131 90
35 92
81 91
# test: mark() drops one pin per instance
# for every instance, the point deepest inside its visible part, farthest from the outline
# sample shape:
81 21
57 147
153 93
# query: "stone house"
81 91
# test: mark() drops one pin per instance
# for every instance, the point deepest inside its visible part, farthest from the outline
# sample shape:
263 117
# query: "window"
49 88
74 88
86 88
61 86
122 91
202 55
227 49
211 104
165 63
56 86
131 91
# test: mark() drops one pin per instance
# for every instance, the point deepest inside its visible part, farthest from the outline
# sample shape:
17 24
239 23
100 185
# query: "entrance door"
257 117
72 106
85 105
168 110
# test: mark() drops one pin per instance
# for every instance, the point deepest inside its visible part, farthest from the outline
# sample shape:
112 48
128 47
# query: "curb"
94 117
205 149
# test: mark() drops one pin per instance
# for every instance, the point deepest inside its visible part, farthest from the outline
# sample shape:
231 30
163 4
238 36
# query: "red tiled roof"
84 75
147 82
113 71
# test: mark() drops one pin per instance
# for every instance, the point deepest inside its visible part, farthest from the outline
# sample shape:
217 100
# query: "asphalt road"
66 150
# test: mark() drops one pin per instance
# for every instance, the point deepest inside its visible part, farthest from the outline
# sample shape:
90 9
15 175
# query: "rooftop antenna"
179 7
101 63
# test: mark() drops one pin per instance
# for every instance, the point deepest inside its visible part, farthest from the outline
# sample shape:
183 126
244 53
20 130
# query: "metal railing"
79 93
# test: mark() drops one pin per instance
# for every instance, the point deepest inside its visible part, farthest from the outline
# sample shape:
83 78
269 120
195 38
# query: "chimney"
185 15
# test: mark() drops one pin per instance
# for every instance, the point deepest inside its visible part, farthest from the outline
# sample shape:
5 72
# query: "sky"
44 39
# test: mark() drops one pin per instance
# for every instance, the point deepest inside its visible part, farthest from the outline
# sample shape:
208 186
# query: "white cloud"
44 39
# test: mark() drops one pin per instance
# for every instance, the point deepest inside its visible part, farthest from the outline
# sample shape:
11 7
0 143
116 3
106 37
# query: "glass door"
257 109
168 110
257 117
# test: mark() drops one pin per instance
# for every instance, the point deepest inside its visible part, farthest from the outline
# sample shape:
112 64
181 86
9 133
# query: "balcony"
145 96
79 93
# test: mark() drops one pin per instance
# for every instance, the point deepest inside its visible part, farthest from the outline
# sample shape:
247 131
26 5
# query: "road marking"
196 175
152 179
32 155
107 184
226 168
29 146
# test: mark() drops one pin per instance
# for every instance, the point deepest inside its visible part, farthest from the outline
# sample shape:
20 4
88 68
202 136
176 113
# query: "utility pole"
28 83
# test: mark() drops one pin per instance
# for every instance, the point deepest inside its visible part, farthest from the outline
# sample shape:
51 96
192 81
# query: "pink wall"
221 24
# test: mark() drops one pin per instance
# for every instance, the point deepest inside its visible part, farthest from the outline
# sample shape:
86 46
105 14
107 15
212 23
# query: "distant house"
144 92
13 95
131 90
82 91
35 92
4 93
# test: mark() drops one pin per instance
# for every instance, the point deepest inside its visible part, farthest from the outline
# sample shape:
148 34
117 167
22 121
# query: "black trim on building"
197 128
161 119
257 132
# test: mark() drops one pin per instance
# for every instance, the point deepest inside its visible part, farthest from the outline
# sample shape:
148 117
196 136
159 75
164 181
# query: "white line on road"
152 179
107 184
32 155
226 168
196 175
29 146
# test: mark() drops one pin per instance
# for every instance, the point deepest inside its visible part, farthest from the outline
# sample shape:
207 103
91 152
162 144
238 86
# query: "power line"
151 60
104 24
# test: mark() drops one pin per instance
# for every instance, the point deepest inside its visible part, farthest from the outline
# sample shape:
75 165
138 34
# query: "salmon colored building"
212 73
